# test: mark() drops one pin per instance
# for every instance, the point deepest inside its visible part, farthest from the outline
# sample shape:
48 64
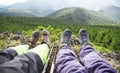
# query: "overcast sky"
58 4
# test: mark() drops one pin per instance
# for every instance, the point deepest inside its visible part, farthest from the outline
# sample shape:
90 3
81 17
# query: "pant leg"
31 61
9 53
26 63
66 61
93 61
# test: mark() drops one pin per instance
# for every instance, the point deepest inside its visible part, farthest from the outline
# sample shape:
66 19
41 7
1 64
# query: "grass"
3 44
55 38
101 49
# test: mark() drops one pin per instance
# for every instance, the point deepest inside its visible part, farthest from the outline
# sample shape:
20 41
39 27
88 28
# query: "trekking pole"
45 66
53 63
54 57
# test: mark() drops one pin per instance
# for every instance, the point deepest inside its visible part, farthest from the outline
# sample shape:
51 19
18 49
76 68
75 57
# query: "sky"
10 2
58 4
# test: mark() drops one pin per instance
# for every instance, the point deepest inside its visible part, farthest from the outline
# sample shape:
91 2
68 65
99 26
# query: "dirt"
113 59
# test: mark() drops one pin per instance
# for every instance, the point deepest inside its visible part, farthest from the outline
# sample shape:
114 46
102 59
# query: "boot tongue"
45 38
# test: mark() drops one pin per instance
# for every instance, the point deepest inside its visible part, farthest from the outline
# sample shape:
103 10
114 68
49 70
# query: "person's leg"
9 53
91 59
66 61
30 62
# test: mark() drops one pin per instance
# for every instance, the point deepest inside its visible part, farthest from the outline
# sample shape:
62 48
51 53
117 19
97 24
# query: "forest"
105 38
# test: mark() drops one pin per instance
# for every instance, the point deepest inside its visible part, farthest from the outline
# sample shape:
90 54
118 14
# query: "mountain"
36 8
78 15
75 15
111 11
2 6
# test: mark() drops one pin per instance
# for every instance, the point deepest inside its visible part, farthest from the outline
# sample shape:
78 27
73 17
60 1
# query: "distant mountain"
2 6
75 15
111 11
78 15
36 8
17 14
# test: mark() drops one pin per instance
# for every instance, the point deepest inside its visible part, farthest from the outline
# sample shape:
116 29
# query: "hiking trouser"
22 60
91 61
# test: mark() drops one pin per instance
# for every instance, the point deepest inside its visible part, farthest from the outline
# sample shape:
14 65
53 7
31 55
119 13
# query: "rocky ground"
113 58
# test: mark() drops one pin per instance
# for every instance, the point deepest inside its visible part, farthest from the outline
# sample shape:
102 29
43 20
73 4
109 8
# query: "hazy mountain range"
106 15
111 11
28 8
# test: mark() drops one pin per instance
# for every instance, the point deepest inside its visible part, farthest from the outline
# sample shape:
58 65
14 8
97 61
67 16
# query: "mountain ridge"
35 9
79 15
76 15
111 11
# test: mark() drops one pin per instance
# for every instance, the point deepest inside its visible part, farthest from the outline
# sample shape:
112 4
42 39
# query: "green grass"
3 44
101 49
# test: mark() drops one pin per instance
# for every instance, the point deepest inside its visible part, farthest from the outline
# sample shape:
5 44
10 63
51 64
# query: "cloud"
58 4
117 3
10 2
89 4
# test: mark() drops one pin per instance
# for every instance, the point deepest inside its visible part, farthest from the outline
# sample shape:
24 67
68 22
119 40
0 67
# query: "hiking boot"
45 37
65 37
83 36
33 39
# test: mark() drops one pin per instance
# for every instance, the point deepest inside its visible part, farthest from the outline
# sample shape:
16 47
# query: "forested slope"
106 36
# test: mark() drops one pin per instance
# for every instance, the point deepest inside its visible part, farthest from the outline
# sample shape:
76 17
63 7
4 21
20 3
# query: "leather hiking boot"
33 39
65 37
83 36
45 37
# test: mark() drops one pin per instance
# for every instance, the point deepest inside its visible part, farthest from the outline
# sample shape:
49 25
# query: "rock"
111 55
77 41
8 40
18 35
74 40
104 54
118 68
117 56
7 34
